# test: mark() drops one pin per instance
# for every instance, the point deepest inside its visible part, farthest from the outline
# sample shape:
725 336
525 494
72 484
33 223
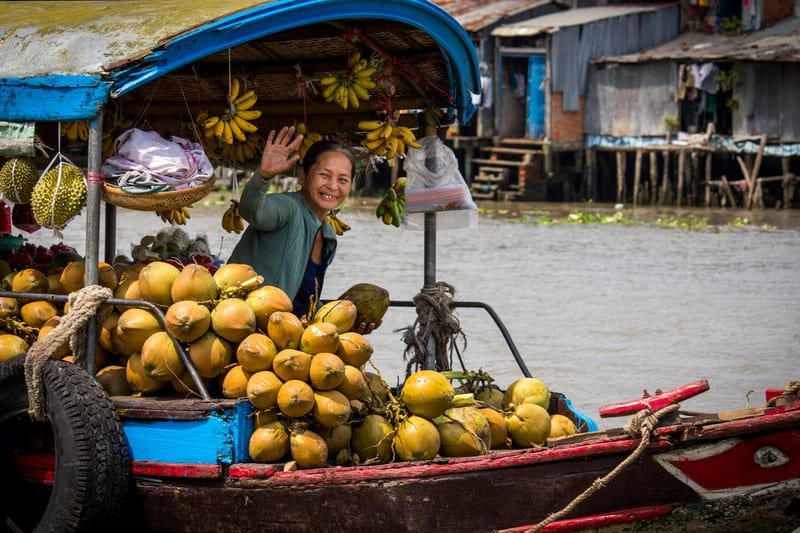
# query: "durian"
55 202
17 178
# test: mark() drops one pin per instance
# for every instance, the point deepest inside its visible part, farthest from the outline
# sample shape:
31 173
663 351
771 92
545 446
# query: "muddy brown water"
599 312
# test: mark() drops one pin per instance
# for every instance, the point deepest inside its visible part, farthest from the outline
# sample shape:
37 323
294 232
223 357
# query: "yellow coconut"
134 326
354 384
35 314
341 313
326 371
187 320
210 355
497 426
11 346
262 389
528 425
427 393
531 390
308 449
107 330
233 274
54 284
266 300
155 282
372 439
256 352
417 439
331 408
128 289
72 277
138 378
235 383
318 338
464 432
8 307
63 350
262 418
30 280
285 329
354 349
160 359
336 439
292 364
561 426
114 381
269 443
295 398
491 397
194 283
378 390
232 319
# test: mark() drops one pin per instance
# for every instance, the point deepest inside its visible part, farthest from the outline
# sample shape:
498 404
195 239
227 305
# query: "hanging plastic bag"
436 184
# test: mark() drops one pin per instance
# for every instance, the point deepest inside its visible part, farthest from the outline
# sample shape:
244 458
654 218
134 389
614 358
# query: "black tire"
92 468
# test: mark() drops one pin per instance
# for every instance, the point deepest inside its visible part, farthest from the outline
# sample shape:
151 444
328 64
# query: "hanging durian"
17 178
55 202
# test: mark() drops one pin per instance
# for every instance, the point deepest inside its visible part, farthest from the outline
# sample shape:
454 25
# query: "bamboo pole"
637 176
755 170
663 199
620 177
727 188
653 177
708 180
681 176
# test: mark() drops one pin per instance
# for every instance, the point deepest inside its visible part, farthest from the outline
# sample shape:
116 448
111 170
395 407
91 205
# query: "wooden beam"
637 176
728 192
663 200
755 170
681 176
708 180
653 177
620 177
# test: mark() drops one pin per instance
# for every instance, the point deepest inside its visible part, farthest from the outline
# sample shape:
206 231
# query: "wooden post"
788 183
590 174
708 179
694 177
637 176
681 176
653 177
755 170
727 188
620 177
663 199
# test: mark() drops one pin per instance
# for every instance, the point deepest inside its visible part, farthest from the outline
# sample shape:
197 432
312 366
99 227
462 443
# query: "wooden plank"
498 162
193 471
168 408
656 401
509 150
522 141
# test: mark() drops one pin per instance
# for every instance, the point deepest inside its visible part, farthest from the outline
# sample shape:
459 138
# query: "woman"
287 240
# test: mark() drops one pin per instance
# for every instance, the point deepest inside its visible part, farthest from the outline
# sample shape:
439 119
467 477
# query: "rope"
641 424
83 306
791 389
434 319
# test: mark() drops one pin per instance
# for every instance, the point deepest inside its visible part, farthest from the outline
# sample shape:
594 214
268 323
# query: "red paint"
657 401
787 415
627 516
198 471
736 467
37 468
254 471
772 393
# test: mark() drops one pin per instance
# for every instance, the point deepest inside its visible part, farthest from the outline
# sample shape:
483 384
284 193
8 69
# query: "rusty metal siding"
574 47
767 100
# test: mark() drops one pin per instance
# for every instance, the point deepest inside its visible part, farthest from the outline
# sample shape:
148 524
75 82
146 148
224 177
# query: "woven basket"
157 201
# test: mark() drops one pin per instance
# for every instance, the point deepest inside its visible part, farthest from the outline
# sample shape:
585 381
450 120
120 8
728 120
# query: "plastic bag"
435 184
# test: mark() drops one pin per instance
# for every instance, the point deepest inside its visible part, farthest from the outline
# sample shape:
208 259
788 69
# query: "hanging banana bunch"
309 138
393 205
78 129
234 125
337 224
175 216
386 139
231 221
352 88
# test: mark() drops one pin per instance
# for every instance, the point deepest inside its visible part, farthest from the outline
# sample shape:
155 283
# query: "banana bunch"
387 139
352 88
78 129
337 224
241 152
309 138
235 124
231 221
391 208
175 216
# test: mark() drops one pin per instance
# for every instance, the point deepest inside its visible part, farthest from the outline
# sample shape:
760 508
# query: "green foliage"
671 122
731 27
688 222
728 79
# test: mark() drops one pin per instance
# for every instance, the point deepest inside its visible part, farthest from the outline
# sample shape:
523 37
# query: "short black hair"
321 147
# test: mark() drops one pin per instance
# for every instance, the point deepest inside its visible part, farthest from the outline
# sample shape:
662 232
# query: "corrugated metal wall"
630 100
573 48
768 100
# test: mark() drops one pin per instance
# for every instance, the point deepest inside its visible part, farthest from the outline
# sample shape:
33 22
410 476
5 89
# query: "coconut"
8 281
194 283
72 277
30 280
295 398
8 307
326 371
527 389
561 426
340 313
114 381
354 384
128 289
427 393
232 319
210 355
262 418
336 439
233 274
160 359
269 443
256 352
318 338
11 346
234 385
464 432
187 320
134 326
184 384
371 301
292 364
107 330
354 349
266 300
35 314
63 350
528 425
491 397
497 426
262 389
285 329
372 439
308 449
416 439
331 408
138 378
378 390
54 284
155 282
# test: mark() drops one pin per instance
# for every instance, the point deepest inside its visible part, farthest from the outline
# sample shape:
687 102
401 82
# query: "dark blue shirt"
310 286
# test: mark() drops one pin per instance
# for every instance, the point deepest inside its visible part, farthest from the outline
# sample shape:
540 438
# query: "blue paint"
242 430
534 124
181 441
52 98
591 425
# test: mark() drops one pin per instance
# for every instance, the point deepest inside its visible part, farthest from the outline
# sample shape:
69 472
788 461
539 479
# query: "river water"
599 312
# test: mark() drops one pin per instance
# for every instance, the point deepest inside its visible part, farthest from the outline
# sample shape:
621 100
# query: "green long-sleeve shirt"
278 241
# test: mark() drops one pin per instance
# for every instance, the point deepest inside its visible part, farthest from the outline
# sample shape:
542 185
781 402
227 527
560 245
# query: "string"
191 118
230 83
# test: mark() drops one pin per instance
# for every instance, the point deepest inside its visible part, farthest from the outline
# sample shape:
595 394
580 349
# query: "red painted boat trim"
657 401
771 419
196 471
626 516
37 468
251 470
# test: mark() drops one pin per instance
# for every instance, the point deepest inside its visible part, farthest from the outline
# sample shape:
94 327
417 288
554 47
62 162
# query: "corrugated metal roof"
780 42
476 15
572 17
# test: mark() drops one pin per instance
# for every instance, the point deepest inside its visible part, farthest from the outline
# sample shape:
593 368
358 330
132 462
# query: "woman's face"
328 182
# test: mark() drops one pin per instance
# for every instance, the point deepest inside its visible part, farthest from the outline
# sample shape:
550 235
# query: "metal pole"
95 184
111 233
430 279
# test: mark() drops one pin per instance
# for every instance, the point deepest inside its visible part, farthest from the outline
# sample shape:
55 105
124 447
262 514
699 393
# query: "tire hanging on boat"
92 460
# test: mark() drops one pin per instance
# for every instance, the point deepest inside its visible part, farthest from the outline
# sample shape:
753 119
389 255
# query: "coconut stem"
463 400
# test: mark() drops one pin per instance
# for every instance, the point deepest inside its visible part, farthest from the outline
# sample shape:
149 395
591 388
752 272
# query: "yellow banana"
246 104
391 147
238 134
248 114
376 133
234 90
227 132
243 125
405 133
360 91
219 128
401 146
369 125
210 122
365 83
246 96
314 137
372 144
358 66
353 97
414 144
248 151
328 80
386 132
355 58
329 91
365 73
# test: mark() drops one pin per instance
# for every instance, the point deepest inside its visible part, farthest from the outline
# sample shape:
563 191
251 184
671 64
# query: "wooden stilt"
620 177
755 170
728 192
694 178
637 176
708 179
664 199
788 184
653 177
681 176
590 174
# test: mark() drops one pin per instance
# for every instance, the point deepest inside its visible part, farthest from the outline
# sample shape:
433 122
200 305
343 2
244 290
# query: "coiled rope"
791 389
641 424
83 306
